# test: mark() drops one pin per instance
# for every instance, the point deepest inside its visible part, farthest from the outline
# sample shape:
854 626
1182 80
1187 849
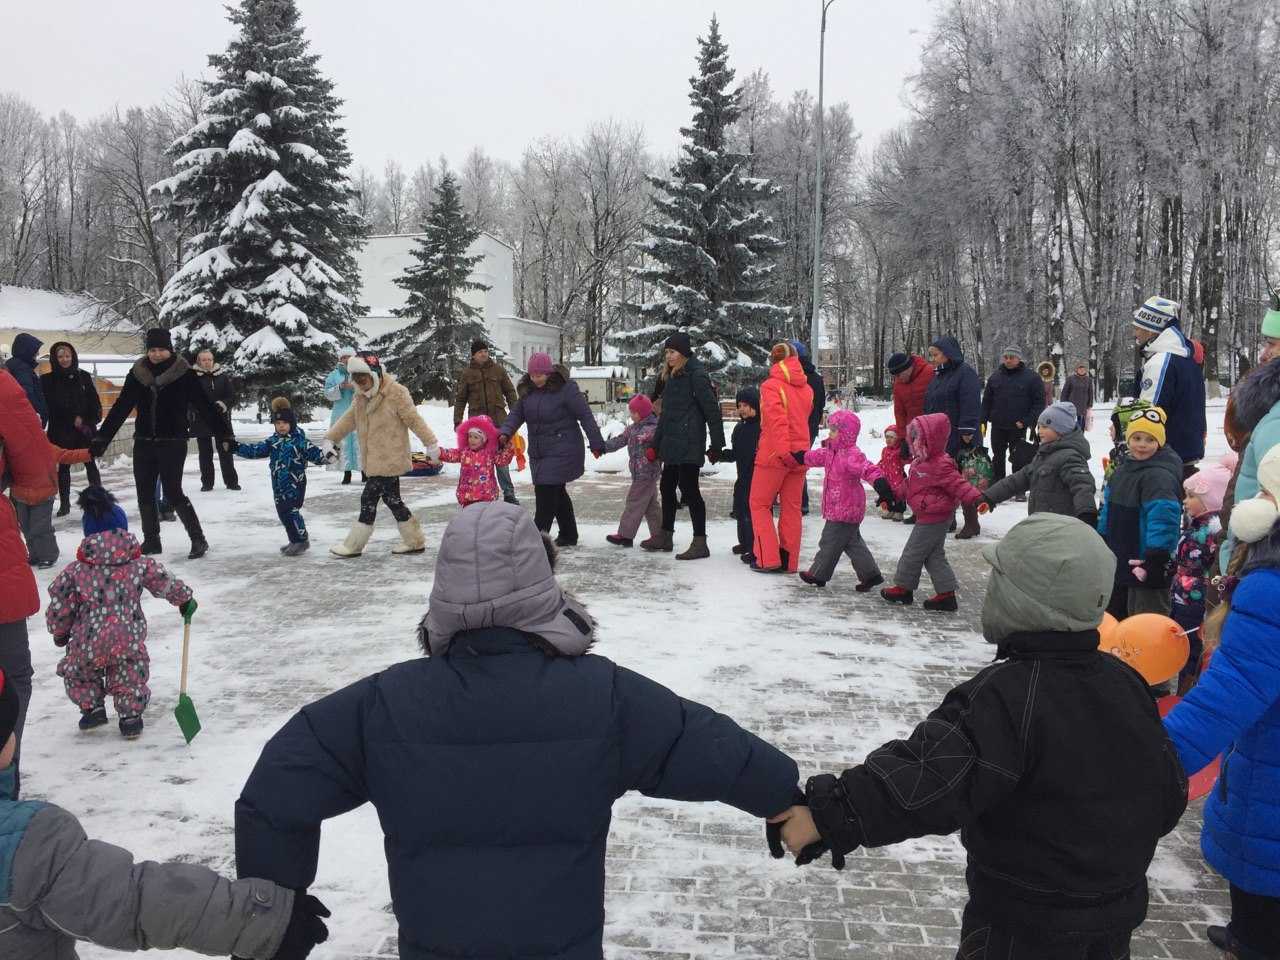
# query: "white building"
51 316
386 257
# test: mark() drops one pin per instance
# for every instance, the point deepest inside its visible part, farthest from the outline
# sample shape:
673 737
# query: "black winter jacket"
689 412
1059 815
956 391
742 453
1013 396
22 366
218 388
70 393
161 393
494 770
819 388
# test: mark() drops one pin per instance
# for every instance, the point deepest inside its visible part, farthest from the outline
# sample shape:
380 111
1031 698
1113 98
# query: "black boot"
92 719
199 545
346 477
150 528
64 491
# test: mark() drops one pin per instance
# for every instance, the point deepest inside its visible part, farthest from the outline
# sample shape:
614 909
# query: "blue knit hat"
101 512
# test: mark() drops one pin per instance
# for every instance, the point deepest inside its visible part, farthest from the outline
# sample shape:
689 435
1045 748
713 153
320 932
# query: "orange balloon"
1105 627
1151 643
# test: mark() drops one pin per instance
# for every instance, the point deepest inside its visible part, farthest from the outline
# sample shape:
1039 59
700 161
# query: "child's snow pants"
642 504
926 548
784 484
839 538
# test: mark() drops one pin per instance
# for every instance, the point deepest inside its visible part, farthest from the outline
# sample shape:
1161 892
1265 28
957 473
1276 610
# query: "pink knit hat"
540 363
1209 484
640 405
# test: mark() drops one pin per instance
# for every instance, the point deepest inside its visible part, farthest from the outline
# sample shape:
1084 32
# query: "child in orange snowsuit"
785 403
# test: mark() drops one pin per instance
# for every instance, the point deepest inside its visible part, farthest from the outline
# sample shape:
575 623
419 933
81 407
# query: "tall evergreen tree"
711 250
428 355
271 276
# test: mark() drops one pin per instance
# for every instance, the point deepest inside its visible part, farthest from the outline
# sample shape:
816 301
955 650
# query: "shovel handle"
186 649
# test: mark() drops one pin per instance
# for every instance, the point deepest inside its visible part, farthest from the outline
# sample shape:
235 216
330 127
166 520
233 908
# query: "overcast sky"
424 78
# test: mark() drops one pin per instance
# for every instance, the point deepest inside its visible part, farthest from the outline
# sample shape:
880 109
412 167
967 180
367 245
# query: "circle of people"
1060 817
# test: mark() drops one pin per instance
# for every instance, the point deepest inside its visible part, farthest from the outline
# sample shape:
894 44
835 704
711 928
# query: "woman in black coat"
74 412
217 387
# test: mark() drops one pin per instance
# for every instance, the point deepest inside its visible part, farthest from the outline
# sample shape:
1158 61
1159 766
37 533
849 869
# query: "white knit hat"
1252 519
1157 314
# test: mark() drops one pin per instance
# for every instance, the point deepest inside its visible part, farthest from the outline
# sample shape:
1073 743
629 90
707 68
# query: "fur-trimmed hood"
1256 394
159 374
485 425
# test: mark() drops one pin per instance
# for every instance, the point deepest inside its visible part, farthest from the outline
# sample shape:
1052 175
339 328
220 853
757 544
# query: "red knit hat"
640 405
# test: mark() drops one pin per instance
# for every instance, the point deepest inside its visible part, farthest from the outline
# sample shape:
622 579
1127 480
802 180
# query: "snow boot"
697 550
357 540
346 477
862 586
739 549
661 541
131 727
898 595
560 541
970 528
756 568
748 558
513 500
92 719
809 578
297 549
233 487
206 487
620 541
150 528
786 561
896 516
411 538
151 547
909 519
64 508
942 603
199 545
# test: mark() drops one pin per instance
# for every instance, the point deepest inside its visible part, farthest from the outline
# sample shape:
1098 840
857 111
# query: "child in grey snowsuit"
1058 477
642 496
57 887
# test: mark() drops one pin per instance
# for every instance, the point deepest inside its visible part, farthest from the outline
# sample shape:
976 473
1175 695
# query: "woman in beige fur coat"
382 414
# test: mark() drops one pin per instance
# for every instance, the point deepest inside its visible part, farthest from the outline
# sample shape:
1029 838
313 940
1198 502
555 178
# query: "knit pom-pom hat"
640 405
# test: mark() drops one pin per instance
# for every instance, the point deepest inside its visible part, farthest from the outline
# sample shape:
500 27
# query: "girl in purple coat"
95 611
553 408
844 502
642 496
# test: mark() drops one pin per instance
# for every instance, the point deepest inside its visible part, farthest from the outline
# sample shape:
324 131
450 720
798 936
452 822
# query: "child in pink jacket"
479 454
642 496
934 489
844 502
893 464
95 611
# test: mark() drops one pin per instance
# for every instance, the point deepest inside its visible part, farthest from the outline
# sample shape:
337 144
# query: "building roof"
26 308
599 373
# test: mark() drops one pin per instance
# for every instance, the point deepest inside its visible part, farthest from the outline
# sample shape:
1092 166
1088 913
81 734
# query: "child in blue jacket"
290 452
1234 710
1141 517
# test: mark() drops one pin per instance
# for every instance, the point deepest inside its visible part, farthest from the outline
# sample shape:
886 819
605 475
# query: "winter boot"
739 549
199 545
92 719
562 541
697 550
756 568
661 541
908 519
206 487
896 516
942 603
971 528
357 540
513 500
297 549
620 541
346 477
748 558
131 727
168 514
809 578
411 538
64 507
863 586
786 560
150 528
898 595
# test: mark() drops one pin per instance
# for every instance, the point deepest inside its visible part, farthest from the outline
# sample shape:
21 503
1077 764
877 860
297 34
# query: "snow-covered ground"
827 675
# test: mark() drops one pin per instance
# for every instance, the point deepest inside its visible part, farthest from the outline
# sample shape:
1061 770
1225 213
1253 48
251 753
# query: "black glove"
773 836
885 491
798 456
1090 517
503 440
713 455
227 444
1157 564
98 447
828 803
305 931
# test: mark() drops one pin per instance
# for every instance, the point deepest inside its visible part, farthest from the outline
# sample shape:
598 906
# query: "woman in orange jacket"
785 404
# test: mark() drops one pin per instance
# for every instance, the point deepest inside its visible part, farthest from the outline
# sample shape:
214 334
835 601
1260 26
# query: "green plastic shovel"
185 711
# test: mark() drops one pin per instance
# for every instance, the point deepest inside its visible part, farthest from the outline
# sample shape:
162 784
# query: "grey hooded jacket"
60 887
1057 479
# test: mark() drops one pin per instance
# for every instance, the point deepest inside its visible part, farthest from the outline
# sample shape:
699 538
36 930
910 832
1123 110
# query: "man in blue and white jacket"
1170 378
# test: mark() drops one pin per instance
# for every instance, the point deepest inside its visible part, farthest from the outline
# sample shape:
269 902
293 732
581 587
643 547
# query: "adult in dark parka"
221 392
1011 403
494 762
956 391
22 366
74 412
553 408
689 412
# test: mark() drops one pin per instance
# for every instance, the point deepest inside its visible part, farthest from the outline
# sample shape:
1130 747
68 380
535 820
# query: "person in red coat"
786 401
911 376
27 458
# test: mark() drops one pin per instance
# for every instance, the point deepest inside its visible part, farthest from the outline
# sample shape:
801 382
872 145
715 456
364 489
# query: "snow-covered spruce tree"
270 274
429 354
710 252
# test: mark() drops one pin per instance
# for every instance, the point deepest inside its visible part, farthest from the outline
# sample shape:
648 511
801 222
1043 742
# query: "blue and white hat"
1157 314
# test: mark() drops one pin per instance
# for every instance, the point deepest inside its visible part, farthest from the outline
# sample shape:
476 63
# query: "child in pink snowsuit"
893 464
642 496
479 454
95 611
934 489
844 502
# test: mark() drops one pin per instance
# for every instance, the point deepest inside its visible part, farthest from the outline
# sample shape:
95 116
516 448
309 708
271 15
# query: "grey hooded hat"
493 571
1050 573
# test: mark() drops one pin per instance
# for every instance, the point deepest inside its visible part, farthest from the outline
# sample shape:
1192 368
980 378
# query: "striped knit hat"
1157 314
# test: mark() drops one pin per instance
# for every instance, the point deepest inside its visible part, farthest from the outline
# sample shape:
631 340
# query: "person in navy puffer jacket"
494 762
1234 710
290 452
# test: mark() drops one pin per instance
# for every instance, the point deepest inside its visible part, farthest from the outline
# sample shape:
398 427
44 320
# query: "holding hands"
794 831
328 452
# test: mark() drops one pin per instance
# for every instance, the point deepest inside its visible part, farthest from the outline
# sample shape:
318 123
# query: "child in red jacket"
893 465
479 455
934 489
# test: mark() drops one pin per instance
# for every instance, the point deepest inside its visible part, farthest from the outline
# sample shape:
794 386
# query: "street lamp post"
817 195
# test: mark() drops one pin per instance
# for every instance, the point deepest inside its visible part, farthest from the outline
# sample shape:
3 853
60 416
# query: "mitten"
227 444
1157 565
188 610
97 447
328 452
597 452
985 506
821 794
881 487
62 641
650 454
1090 517
306 929
798 456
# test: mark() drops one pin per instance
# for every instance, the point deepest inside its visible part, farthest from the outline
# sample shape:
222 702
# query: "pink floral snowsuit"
477 481
95 609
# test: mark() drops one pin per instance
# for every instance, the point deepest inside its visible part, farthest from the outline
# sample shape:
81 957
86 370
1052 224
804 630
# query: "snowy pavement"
827 675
